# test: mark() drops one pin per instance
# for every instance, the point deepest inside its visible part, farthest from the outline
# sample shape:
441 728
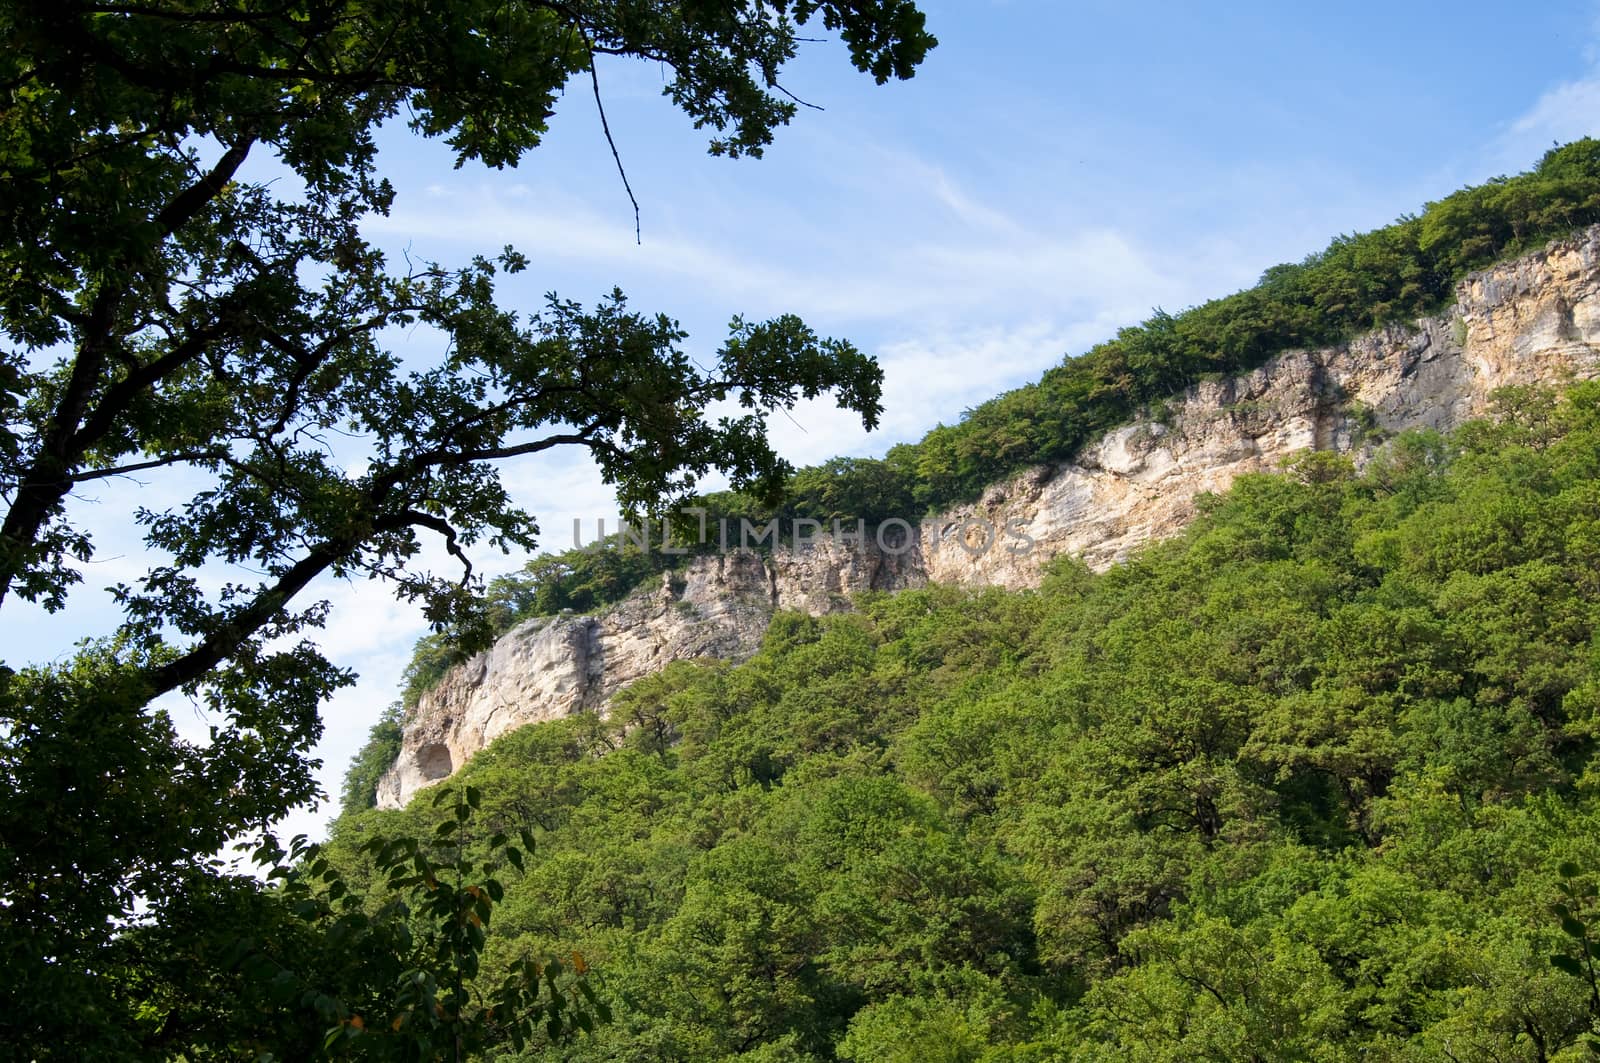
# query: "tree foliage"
315 969
371 761
186 295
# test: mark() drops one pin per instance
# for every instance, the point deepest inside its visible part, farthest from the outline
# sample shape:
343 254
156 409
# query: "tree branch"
186 204
223 642
584 438
796 99
72 429
226 640
154 463
143 11
594 80
444 528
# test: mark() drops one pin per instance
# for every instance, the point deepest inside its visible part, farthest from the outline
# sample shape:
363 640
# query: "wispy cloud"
1567 112
935 183
988 267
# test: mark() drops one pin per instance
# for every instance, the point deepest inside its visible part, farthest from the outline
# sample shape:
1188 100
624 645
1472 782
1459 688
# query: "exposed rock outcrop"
1536 319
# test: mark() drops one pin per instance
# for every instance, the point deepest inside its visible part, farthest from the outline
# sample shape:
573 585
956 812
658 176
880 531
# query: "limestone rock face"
551 667
1533 320
819 577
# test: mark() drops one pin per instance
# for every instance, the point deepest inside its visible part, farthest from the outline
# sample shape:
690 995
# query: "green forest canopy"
1305 782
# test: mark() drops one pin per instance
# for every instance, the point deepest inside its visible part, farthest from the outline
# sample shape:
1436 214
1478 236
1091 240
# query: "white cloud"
907 172
1566 112
556 491
987 268
928 379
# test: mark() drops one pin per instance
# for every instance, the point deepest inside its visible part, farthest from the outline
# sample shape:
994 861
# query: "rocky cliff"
1536 319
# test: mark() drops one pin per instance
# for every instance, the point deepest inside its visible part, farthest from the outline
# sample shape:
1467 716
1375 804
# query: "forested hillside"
1306 783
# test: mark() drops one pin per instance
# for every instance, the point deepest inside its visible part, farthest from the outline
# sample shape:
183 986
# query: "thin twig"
594 79
796 99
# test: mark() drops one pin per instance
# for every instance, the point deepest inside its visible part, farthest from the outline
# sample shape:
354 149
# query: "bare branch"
594 80
445 458
444 528
796 99
140 466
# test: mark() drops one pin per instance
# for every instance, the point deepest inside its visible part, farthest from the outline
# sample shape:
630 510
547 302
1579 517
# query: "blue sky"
1054 172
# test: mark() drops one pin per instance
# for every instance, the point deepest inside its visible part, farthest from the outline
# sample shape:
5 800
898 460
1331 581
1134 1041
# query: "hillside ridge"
1532 320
